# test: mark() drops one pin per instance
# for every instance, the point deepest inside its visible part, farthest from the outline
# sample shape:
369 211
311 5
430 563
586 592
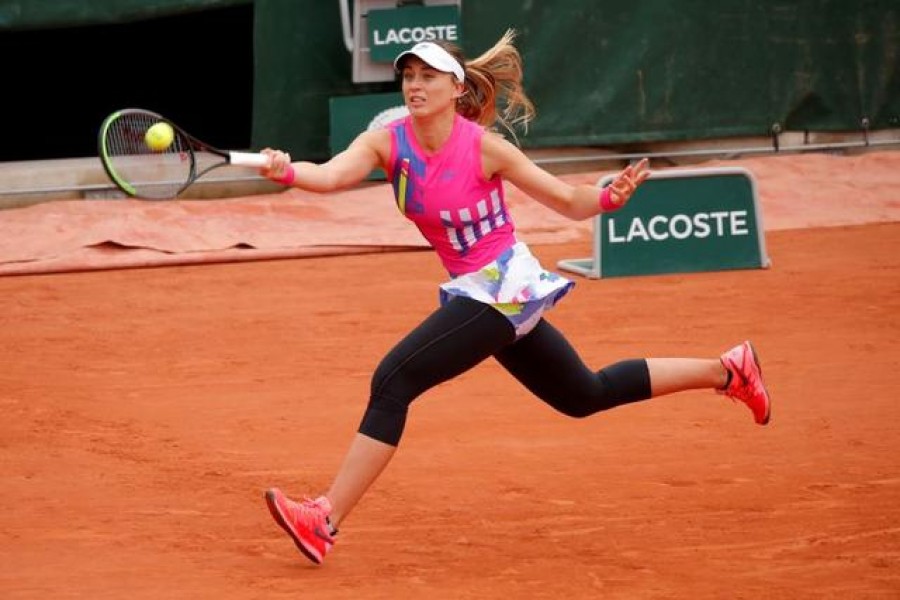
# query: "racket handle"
248 159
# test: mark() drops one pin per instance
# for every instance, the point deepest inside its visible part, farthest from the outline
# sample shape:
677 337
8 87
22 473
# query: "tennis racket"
163 172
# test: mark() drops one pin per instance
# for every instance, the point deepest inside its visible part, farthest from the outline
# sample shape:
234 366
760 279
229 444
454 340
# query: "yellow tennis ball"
159 136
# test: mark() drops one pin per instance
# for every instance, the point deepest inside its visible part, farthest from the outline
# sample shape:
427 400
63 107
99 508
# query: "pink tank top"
461 214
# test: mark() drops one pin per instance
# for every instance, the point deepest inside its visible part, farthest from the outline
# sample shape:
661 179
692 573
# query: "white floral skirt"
515 284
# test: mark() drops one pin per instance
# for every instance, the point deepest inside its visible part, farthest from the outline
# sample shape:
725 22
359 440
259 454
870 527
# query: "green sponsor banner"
394 30
351 115
680 222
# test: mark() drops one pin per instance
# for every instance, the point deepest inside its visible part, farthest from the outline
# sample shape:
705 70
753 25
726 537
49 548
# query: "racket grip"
248 159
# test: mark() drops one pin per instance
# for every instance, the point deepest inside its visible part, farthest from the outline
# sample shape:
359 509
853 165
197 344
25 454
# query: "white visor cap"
434 56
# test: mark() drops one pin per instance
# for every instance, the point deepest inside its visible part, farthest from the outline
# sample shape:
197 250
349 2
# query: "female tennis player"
447 169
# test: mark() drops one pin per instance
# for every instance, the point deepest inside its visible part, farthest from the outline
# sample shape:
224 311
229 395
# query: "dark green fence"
611 72
600 72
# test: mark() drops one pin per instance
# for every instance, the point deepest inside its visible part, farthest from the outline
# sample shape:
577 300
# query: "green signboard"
351 115
394 30
680 221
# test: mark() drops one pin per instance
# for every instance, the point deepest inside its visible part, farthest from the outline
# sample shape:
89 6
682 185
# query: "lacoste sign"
680 221
394 30
660 228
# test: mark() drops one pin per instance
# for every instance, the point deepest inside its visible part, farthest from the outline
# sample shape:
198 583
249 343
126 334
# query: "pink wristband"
288 177
606 203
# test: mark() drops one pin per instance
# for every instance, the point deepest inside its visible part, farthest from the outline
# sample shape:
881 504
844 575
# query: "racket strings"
138 168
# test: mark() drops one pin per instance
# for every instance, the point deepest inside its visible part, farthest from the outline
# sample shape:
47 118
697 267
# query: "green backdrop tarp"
661 70
603 72
599 72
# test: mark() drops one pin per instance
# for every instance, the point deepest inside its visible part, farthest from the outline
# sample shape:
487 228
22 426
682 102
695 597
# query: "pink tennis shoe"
746 383
306 522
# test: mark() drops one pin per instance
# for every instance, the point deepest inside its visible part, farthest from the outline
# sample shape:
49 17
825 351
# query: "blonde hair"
495 75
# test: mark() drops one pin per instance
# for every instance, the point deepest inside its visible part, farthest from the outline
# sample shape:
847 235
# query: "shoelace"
309 508
312 511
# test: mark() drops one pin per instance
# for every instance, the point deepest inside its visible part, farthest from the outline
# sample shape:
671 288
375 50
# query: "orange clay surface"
145 411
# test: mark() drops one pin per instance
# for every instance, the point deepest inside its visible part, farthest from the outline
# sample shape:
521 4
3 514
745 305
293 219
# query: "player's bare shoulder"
378 133
375 141
498 154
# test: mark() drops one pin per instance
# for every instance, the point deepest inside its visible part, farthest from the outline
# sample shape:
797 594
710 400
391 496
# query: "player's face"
426 90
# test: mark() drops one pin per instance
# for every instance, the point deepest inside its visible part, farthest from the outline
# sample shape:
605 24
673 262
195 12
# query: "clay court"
147 409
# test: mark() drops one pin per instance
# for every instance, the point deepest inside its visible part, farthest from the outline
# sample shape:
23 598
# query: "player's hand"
626 182
278 164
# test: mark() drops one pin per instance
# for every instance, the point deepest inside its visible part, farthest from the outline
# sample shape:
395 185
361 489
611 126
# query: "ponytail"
495 75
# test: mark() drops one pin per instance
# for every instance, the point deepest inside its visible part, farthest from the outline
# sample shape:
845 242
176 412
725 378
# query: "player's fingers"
628 180
626 185
635 170
278 161
620 192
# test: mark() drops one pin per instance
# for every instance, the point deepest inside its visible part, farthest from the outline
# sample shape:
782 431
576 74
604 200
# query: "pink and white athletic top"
464 217
461 214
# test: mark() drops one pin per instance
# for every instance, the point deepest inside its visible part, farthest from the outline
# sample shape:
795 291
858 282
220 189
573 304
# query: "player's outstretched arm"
576 202
345 169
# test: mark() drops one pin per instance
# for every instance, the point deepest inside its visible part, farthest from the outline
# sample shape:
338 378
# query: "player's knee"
588 397
618 384
384 420
394 387
387 403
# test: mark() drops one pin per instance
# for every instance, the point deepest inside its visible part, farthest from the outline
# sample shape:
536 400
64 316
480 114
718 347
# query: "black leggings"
461 334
